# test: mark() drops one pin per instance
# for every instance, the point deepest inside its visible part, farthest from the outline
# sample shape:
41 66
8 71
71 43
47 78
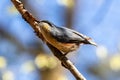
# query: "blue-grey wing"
66 35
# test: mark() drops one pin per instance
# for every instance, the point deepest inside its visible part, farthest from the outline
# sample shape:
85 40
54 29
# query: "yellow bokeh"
41 61
3 62
62 77
115 63
8 75
67 3
52 62
45 61
101 52
28 67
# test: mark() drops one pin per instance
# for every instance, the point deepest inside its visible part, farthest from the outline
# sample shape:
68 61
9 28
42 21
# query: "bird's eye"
49 23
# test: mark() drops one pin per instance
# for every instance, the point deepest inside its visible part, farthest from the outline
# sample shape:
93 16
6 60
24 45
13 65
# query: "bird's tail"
90 41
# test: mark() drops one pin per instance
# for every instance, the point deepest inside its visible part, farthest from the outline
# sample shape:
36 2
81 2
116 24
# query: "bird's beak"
92 42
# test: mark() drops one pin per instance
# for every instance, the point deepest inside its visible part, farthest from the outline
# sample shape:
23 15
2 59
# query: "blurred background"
23 56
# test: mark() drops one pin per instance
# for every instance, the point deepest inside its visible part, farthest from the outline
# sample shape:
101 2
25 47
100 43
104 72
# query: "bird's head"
45 25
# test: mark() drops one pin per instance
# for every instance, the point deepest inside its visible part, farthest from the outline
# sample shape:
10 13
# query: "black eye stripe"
51 24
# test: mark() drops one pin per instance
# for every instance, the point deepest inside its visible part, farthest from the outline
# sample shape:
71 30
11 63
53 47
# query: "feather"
66 35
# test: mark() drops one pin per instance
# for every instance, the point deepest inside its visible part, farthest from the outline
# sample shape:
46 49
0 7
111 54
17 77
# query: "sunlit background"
23 56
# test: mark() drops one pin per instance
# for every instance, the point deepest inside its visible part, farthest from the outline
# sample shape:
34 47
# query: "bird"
64 39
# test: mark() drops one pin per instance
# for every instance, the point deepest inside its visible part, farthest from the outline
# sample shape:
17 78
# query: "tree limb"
35 25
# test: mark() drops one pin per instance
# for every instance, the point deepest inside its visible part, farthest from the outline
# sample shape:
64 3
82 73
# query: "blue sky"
98 19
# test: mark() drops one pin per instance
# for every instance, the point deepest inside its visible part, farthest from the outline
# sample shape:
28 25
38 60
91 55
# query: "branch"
28 17
35 25
66 63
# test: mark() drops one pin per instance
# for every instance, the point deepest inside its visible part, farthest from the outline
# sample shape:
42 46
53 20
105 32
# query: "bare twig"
66 63
35 25
28 17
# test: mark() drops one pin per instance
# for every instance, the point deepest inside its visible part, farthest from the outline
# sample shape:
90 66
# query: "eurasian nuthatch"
64 39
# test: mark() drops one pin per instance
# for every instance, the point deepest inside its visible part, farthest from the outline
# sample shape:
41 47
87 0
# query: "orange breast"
67 47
